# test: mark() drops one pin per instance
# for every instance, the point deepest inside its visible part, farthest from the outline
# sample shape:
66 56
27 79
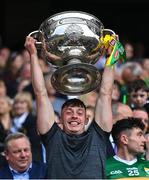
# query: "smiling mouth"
73 123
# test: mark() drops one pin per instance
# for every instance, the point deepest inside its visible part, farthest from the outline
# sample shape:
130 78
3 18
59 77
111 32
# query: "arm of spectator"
45 112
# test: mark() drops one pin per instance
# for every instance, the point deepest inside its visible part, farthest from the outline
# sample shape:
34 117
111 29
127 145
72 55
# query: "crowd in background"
18 104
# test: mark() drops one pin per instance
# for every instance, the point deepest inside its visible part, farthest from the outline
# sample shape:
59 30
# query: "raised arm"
45 112
103 111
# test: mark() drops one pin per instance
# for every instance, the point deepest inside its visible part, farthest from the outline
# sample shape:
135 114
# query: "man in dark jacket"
19 158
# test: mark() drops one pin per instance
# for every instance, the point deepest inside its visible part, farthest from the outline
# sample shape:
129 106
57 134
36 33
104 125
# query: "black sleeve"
49 134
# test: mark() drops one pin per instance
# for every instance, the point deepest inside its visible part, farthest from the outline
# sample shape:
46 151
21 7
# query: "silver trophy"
70 42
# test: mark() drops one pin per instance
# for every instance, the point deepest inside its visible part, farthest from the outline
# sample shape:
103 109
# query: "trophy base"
76 79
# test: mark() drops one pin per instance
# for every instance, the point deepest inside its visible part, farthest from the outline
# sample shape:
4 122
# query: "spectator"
5 119
141 113
138 94
145 66
12 72
4 56
131 71
130 50
25 76
3 88
19 157
121 111
116 92
129 137
24 121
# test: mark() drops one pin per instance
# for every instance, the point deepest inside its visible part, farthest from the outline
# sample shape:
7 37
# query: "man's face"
138 98
19 154
143 116
20 107
135 141
74 119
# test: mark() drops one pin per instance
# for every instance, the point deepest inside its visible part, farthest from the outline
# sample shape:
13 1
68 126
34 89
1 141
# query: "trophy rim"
98 21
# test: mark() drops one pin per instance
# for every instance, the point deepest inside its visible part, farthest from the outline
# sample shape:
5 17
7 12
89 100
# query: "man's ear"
124 139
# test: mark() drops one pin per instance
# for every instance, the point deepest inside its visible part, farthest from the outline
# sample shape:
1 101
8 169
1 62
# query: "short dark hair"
126 124
74 102
137 85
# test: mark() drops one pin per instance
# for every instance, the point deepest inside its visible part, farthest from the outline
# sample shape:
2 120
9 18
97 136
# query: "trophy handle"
108 32
35 35
111 33
104 40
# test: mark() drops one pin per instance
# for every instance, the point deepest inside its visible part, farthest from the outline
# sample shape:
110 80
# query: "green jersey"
116 169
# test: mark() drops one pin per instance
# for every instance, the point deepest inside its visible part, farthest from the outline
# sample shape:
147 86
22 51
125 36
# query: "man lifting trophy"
72 42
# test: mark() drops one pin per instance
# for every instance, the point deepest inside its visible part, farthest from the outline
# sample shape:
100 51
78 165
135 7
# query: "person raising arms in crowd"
72 152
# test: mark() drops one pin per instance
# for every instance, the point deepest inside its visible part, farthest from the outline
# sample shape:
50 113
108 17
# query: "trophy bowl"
70 42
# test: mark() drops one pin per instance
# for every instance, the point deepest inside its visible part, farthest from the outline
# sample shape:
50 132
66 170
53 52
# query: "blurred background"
128 18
